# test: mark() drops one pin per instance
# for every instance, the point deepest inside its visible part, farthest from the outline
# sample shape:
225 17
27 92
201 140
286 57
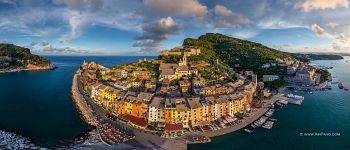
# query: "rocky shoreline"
48 67
85 111
13 141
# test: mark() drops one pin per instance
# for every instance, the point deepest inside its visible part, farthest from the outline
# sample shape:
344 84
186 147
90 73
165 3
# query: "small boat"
248 131
268 125
273 119
270 112
340 85
296 97
279 104
253 126
346 88
257 124
283 102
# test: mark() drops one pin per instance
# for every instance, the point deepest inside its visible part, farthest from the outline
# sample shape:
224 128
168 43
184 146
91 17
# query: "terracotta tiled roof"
173 127
136 120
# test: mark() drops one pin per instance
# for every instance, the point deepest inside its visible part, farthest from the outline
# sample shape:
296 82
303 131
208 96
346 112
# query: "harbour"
291 121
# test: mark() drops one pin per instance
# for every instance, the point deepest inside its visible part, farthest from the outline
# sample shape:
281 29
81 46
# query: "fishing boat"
248 131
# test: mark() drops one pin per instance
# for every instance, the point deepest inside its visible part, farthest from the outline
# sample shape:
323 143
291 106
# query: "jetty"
82 107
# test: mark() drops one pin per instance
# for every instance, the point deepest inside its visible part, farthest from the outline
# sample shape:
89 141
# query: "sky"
145 27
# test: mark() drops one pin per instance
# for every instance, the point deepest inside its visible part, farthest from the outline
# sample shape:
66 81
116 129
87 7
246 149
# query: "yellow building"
107 96
196 115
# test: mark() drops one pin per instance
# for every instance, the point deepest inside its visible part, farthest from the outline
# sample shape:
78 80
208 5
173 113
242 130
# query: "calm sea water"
324 111
38 104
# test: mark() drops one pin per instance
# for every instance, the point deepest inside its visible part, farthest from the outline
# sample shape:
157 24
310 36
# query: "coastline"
155 141
48 67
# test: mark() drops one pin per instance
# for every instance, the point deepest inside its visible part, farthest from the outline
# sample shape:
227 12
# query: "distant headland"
15 58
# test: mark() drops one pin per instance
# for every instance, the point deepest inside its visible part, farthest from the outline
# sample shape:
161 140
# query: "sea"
38 105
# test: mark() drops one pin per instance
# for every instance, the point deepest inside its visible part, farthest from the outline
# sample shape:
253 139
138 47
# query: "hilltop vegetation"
18 56
233 52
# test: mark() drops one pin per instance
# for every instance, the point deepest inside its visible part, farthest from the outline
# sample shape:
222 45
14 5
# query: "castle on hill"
183 51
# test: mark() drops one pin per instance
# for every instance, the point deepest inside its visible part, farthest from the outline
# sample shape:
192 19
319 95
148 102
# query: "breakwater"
13 141
80 103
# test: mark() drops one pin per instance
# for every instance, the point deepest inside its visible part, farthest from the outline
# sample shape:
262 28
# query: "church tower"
184 60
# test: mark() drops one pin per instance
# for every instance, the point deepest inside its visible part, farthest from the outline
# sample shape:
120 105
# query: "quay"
254 115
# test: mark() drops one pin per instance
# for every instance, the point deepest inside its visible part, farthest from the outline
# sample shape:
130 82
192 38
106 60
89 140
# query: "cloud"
33 44
155 32
77 23
81 5
245 34
178 7
9 2
320 32
81 15
341 42
278 24
226 18
332 24
309 5
342 38
302 49
48 48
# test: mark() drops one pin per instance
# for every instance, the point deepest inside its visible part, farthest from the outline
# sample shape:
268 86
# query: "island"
15 58
207 87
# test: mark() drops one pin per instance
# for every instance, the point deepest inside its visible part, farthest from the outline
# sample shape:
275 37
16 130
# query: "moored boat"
248 131
268 125
252 125
296 97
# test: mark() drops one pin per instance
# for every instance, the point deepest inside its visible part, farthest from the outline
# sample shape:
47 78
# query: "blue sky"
145 27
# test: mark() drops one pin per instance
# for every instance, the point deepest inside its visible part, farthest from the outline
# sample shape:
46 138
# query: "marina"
265 121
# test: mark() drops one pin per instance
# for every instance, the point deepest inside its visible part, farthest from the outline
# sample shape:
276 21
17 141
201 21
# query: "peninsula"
207 87
15 58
